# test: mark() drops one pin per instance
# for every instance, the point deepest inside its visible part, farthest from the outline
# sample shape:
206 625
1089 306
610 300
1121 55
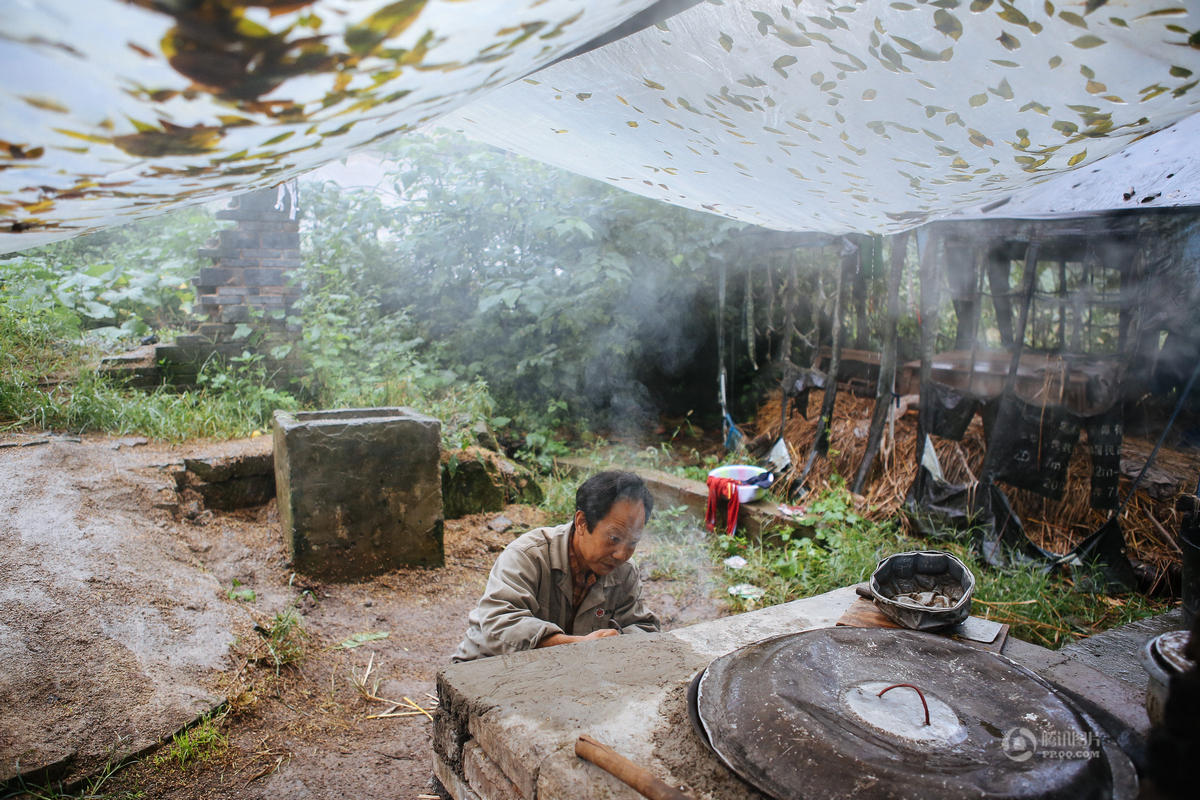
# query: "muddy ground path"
124 619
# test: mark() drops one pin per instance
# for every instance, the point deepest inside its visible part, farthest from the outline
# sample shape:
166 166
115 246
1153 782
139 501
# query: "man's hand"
562 638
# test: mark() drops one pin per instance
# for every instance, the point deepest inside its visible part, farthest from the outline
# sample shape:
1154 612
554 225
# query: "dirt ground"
300 730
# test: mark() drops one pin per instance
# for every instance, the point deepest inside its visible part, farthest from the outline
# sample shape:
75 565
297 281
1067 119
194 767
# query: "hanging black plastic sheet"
1030 445
943 510
805 381
1033 449
951 410
1104 433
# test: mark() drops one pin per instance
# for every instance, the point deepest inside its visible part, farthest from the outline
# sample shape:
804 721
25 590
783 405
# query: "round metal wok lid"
800 716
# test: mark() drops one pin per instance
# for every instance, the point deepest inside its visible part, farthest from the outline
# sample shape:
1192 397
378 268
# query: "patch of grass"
559 495
673 546
688 464
844 549
1048 609
284 638
194 744
1043 608
93 788
675 550
48 381
233 400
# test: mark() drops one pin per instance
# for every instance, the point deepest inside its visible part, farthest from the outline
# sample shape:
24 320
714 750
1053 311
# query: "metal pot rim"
915 617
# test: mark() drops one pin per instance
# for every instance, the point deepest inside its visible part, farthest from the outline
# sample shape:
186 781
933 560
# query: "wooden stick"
820 443
927 269
885 384
629 773
418 708
1003 602
1162 531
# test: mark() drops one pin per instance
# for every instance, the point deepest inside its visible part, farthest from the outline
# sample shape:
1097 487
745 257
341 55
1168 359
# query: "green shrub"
845 548
193 744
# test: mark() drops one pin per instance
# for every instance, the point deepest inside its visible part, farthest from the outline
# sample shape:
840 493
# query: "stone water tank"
359 490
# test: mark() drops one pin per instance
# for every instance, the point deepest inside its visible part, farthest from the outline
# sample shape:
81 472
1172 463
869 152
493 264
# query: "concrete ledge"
525 710
521 713
1115 651
671 490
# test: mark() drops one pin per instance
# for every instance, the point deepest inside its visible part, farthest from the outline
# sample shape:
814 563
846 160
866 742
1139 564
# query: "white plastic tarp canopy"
863 116
116 109
872 115
1159 170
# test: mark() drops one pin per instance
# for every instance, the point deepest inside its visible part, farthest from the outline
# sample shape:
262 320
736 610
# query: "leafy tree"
549 286
118 283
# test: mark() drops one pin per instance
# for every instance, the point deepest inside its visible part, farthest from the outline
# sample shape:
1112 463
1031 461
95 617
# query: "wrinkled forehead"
626 519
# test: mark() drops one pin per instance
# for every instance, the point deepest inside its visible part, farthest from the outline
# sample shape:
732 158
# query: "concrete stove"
506 726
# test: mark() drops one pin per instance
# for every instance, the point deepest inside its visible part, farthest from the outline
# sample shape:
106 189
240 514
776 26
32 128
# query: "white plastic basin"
741 472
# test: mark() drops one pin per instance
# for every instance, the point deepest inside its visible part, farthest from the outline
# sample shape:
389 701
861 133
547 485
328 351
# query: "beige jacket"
528 597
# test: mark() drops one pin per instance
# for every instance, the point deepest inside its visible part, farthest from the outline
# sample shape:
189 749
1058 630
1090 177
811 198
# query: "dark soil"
298 730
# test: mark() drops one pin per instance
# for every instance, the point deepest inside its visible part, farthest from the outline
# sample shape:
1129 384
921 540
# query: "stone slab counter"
359 490
518 716
671 490
506 726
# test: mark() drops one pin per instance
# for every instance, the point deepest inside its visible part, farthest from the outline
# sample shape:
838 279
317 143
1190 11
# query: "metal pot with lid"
923 590
1163 657
875 713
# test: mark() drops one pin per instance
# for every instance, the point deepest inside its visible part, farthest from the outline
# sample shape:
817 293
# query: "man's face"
614 538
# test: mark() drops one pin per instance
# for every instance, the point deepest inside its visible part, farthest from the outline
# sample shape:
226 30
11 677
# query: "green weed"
237 593
197 743
845 547
559 490
1044 608
92 788
284 637
233 400
674 547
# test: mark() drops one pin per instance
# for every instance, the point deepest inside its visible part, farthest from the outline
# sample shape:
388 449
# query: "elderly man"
571 582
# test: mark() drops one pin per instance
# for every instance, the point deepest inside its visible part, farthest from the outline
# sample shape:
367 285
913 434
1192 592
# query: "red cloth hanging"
723 489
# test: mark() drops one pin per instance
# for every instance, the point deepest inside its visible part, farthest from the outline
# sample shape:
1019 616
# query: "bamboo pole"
998 269
820 445
721 379
885 384
785 353
1062 305
980 258
928 327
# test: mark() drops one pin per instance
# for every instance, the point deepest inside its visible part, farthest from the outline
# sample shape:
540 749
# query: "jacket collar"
560 546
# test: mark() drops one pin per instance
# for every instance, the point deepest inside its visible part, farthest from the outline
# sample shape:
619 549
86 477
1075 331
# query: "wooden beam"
886 382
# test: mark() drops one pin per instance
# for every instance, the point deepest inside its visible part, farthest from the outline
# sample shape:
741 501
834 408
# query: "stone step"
671 490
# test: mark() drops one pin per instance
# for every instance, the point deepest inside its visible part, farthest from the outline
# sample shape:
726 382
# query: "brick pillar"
248 283
251 263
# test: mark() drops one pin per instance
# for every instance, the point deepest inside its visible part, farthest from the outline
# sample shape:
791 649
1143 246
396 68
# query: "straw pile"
1148 521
